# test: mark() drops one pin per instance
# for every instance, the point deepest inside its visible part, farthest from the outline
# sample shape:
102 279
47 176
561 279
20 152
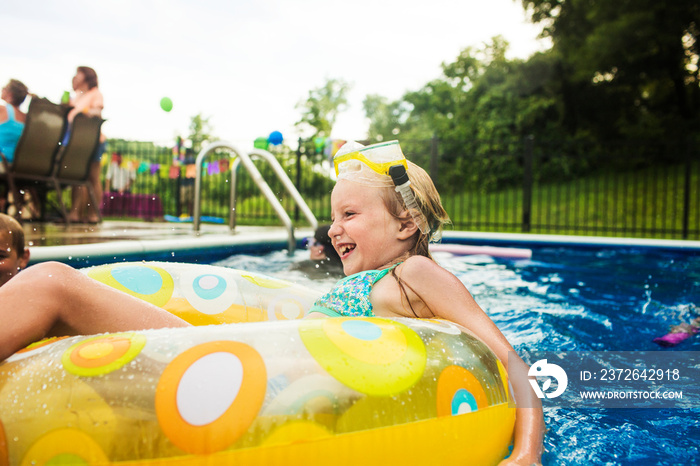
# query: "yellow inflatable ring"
345 390
206 294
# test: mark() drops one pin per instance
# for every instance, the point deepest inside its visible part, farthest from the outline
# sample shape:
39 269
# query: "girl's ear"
407 225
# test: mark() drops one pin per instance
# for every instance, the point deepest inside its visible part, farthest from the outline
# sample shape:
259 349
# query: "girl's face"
364 233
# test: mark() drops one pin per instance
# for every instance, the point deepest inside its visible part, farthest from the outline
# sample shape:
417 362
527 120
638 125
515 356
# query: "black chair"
74 162
37 149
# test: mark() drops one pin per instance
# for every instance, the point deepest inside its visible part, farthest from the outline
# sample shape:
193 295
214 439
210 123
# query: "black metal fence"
629 189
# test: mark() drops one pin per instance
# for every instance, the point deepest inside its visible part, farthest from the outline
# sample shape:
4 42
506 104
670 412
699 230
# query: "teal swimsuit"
350 296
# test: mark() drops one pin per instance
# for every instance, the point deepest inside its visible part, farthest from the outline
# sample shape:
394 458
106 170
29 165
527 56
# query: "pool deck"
119 240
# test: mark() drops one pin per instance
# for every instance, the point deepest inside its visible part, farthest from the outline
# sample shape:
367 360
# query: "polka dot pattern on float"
371 355
208 396
34 349
286 308
148 282
459 392
63 447
210 293
102 354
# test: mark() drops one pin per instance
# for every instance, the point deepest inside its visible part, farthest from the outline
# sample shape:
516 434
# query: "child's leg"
53 299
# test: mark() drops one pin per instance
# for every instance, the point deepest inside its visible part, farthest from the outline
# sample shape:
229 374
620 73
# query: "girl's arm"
447 298
52 299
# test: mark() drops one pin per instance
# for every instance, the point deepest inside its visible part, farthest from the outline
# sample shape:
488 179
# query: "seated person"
11 125
11 118
14 256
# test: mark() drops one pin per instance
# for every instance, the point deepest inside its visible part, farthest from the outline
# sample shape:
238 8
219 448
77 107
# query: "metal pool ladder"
246 160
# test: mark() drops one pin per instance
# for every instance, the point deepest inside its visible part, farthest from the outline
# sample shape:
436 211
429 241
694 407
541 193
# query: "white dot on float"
208 282
209 387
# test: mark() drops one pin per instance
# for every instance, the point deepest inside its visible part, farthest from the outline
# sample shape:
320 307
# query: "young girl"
382 225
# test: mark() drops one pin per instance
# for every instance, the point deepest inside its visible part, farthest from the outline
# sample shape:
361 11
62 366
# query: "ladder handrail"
245 158
288 185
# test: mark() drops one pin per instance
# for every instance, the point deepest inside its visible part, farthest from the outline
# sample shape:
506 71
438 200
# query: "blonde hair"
15 230
429 204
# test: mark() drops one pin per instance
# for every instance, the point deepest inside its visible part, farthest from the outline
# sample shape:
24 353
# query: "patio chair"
37 149
74 159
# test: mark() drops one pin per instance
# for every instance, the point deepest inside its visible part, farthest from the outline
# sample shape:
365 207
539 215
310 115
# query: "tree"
385 117
200 132
626 68
323 105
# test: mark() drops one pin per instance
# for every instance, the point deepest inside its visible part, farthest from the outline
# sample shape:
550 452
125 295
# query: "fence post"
434 158
686 192
298 180
527 183
178 203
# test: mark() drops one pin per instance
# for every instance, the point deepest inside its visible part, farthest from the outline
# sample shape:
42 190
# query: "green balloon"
166 104
261 143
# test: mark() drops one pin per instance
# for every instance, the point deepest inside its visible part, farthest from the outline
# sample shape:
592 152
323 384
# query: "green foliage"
200 132
624 69
322 106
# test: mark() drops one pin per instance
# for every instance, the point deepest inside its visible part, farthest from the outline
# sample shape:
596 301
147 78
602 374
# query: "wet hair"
90 76
18 91
428 200
15 230
321 235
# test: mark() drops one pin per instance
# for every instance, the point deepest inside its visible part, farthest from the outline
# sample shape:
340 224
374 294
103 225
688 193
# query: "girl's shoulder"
421 267
427 276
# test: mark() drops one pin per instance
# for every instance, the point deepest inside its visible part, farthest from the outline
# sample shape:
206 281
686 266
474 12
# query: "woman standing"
87 99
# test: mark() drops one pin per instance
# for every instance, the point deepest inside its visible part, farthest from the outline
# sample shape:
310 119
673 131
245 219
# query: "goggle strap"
410 200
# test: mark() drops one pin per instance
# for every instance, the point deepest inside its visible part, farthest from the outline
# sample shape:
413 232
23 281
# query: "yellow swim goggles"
379 157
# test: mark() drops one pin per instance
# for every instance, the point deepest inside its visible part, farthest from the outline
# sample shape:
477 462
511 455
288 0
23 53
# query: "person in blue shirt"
11 125
11 117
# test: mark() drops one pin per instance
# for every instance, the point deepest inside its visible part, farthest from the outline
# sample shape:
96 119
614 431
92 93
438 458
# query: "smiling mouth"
345 249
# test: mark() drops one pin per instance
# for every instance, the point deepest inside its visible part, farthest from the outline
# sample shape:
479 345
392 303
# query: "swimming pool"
569 298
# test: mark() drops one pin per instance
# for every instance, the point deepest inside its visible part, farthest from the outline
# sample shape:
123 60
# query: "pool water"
578 299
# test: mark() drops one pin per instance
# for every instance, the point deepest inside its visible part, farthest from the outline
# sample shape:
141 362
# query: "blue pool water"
579 299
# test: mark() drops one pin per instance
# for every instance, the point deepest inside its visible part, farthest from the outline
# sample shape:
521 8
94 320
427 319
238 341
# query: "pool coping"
200 248
180 248
525 240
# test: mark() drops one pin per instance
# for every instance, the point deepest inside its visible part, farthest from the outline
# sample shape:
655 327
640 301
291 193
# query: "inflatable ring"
298 391
206 294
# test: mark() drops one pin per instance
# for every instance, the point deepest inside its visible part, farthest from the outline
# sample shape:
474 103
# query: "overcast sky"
244 64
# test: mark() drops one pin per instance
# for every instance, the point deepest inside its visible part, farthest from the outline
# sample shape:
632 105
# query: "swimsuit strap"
382 273
350 296
10 112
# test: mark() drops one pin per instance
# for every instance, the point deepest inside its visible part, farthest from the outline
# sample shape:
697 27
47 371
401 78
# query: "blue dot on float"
463 402
362 330
141 280
209 286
